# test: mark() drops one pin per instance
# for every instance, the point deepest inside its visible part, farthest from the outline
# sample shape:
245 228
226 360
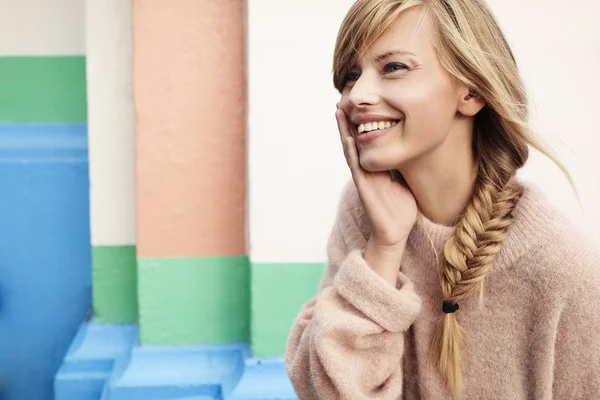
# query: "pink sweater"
536 337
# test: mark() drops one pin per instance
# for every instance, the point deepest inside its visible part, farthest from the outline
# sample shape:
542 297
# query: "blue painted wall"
45 282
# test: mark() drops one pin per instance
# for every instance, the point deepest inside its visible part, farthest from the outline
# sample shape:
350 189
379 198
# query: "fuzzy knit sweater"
536 336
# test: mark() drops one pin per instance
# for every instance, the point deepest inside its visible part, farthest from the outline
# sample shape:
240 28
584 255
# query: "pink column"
190 100
189 79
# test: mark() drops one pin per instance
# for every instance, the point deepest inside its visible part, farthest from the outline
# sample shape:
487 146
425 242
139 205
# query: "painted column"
189 85
112 160
113 330
45 284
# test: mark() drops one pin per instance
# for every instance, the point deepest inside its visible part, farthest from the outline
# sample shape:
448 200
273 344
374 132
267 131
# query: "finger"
349 145
344 134
351 153
342 123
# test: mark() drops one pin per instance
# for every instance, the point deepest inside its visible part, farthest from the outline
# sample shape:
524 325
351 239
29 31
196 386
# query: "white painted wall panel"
42 27
110 122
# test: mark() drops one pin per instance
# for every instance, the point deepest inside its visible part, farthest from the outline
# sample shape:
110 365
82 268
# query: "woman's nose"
363 94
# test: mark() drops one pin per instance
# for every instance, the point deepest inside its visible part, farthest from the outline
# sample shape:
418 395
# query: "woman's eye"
393 67
351 77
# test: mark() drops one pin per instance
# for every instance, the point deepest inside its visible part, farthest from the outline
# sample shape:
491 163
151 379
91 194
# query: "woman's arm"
347 342
577 346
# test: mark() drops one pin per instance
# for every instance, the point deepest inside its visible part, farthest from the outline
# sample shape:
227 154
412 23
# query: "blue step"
90 359
105 362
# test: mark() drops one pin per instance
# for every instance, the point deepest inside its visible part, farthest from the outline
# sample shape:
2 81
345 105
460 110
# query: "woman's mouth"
372 130
372 126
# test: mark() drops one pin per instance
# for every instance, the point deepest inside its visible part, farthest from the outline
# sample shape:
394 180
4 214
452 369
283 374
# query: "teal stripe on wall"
114 276
43 89
278 292
194 300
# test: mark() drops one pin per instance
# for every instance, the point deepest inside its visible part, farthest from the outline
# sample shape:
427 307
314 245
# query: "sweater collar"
532 217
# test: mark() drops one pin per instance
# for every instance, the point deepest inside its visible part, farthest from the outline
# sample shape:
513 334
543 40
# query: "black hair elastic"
449 308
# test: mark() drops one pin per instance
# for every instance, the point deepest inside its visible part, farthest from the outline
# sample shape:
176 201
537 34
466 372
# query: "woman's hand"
389 204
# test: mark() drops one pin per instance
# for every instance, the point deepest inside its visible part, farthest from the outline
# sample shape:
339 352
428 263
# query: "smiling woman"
411 87
434 122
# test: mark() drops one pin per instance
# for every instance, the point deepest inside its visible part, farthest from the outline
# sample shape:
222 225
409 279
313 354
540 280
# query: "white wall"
42 27
558 52
296 163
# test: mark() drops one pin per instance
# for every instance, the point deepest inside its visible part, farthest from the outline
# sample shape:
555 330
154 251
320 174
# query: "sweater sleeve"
347 342
577 345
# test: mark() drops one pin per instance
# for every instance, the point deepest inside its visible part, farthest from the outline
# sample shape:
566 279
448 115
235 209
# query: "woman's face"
400 80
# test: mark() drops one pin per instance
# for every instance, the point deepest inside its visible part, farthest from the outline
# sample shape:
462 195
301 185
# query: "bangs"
366 21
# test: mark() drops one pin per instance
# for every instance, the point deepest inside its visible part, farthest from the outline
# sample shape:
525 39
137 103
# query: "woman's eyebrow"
390 53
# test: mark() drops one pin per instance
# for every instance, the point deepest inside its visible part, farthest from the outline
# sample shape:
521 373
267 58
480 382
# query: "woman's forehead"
409 35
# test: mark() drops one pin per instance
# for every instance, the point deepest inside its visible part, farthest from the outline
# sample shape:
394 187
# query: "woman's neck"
443 182
442 199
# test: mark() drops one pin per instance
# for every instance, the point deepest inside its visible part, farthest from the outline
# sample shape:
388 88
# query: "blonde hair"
473 49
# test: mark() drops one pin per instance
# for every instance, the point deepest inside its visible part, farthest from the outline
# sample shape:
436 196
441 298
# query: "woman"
433 121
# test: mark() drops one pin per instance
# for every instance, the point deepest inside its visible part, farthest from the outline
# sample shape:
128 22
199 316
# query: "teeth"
371 126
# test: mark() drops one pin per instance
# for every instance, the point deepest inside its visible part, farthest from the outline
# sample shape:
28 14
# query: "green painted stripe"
43 89
114 275
278 293
202 300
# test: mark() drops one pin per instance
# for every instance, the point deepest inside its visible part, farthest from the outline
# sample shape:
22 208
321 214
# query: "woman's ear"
470 102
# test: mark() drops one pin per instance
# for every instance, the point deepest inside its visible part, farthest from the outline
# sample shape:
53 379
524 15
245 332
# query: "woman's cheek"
426 121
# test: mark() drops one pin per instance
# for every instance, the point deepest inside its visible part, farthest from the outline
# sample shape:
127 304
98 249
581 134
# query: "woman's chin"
375 164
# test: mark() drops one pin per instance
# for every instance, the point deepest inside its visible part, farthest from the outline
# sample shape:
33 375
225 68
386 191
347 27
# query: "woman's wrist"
385 260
